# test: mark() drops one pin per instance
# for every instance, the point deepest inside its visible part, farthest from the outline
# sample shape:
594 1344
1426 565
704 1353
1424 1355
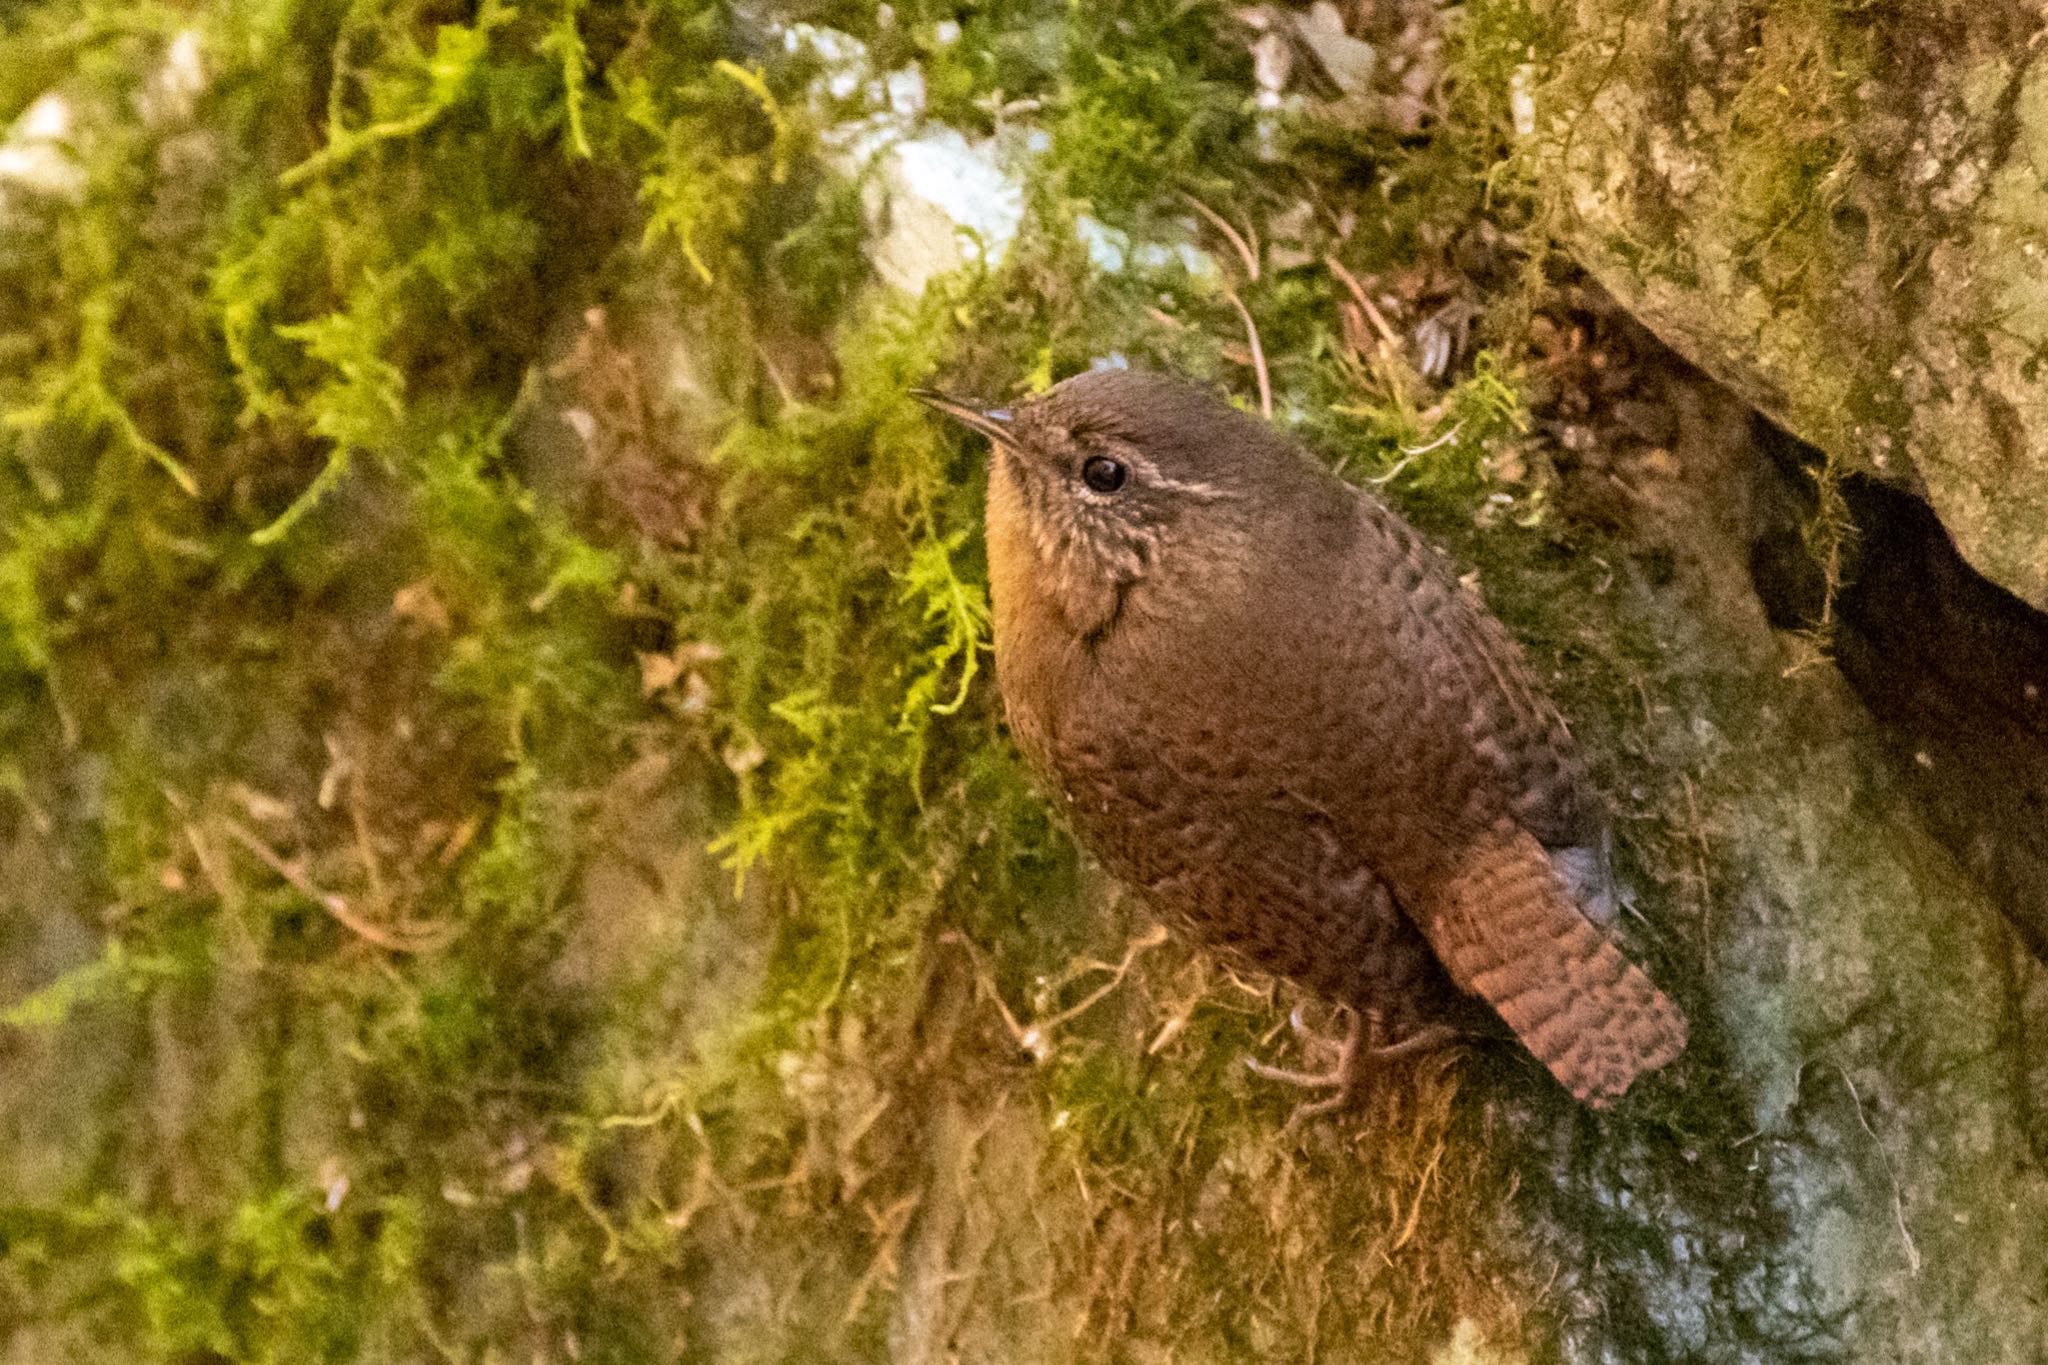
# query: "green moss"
1142 105
366 748
1790 167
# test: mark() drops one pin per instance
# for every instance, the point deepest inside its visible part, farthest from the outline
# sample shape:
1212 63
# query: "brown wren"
1269 706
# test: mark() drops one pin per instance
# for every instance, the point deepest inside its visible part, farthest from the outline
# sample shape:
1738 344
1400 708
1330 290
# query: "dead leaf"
418 602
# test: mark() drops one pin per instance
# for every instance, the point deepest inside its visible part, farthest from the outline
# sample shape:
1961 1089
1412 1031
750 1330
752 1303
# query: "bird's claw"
1310 1039
1307 1080
1358 1055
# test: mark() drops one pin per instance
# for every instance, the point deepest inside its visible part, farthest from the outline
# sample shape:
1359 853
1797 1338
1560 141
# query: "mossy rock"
1839 210
510 849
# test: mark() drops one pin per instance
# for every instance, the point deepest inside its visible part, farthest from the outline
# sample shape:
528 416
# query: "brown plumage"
1270 707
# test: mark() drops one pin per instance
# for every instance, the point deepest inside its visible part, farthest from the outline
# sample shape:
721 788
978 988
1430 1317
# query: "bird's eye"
1103 474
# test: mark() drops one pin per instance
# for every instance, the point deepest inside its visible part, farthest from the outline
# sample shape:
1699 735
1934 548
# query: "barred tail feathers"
1507 930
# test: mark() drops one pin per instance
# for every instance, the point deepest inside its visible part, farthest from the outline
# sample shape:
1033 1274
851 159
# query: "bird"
1271 708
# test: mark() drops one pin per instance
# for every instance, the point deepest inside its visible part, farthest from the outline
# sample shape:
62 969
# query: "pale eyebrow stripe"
1203 492
1189 488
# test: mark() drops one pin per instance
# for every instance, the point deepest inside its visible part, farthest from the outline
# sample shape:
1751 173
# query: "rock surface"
1838 211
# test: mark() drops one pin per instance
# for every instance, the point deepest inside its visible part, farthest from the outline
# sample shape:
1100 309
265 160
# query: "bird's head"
1116 476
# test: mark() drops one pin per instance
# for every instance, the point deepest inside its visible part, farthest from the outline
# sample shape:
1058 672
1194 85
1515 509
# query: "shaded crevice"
1953 666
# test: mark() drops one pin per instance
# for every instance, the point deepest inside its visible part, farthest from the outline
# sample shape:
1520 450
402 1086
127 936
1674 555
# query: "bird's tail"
1508 931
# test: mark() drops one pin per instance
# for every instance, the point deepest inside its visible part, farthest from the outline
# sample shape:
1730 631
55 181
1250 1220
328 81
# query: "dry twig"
401 938
1247 251
1251 331
1036 1037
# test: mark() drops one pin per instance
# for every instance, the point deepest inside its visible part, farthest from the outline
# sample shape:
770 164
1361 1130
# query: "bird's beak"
993 423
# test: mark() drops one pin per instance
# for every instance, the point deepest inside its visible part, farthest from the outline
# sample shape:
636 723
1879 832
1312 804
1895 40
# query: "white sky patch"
1111 251
962 179
36 153
935 201
1108 248
905 90
47 120
1522 99
175 87
844 56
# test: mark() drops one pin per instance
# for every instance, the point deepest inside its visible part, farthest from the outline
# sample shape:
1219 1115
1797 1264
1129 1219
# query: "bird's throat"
1040 579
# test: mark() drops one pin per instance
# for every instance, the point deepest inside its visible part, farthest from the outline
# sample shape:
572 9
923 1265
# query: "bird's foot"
1313 1043
1359 1054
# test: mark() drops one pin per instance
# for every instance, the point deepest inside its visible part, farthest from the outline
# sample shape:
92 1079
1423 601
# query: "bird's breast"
1037 655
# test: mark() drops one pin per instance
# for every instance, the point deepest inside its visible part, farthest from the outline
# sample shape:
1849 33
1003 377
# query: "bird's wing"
1494 901
1477 672
1506 931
